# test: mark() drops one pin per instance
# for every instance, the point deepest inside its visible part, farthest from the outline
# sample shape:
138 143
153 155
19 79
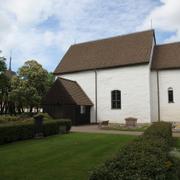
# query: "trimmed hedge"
21 131
10 133
55 127
160 130
146 158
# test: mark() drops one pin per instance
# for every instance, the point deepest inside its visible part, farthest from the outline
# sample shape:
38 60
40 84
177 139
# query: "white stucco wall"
135 92
134 86
153 96
169 111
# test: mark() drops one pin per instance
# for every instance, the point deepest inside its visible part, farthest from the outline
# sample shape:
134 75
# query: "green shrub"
10 133
22 117
46 116
50 128
27 130
146 158
160 129
6 119
65 122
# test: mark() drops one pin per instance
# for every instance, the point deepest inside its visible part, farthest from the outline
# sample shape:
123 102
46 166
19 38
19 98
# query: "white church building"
115 78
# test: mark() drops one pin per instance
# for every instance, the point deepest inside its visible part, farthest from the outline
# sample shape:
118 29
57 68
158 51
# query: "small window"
82 109
170 95
116 99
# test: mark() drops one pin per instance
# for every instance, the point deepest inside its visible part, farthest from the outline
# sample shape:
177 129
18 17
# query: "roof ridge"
117 36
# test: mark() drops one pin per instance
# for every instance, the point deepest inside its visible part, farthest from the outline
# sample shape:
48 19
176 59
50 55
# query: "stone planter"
131 122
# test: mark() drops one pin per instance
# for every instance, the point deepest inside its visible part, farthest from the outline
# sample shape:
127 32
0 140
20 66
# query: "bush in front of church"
10 132
147 157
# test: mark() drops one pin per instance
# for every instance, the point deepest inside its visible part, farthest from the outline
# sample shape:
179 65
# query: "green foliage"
22 118
10 133
2 64
4 85
24 95
35 76
160 130
146 158
25 90
46 116
17 129
50 128
7 118
29 87
66 123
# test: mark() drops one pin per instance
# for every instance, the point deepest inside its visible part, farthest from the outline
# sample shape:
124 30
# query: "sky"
43 30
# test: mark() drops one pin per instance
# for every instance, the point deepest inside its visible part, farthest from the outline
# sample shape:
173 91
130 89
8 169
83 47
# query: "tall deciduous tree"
31 84
4 86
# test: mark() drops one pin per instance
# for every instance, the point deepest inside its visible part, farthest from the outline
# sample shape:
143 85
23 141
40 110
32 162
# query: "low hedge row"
21 118
160 130
4 119
21 131
146 158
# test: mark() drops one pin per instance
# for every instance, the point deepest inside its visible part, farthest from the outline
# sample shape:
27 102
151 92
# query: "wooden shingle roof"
76 92
117 51
166 56
65 91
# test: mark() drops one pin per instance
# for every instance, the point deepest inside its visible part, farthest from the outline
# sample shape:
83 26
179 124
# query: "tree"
2 64
23 95
4 86
30 86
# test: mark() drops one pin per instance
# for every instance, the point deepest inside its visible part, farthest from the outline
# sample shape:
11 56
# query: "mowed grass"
64 157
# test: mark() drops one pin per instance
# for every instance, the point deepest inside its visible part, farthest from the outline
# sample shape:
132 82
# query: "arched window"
116 99
170 95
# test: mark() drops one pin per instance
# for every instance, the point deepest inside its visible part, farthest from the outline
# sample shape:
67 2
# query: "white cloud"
165 17
76 21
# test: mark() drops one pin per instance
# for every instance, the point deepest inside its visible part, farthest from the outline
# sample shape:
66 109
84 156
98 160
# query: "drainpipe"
159 114
96 94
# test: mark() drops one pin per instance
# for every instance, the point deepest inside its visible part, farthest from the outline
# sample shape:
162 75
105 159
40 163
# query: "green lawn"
69 156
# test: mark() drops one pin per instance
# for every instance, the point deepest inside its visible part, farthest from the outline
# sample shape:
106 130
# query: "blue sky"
43 30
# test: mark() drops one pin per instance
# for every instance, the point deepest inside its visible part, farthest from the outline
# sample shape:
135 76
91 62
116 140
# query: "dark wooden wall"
68 111
59 104
83 118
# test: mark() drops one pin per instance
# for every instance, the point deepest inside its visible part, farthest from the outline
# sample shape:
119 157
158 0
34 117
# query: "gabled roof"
76 92
65 91
117 51
166 56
